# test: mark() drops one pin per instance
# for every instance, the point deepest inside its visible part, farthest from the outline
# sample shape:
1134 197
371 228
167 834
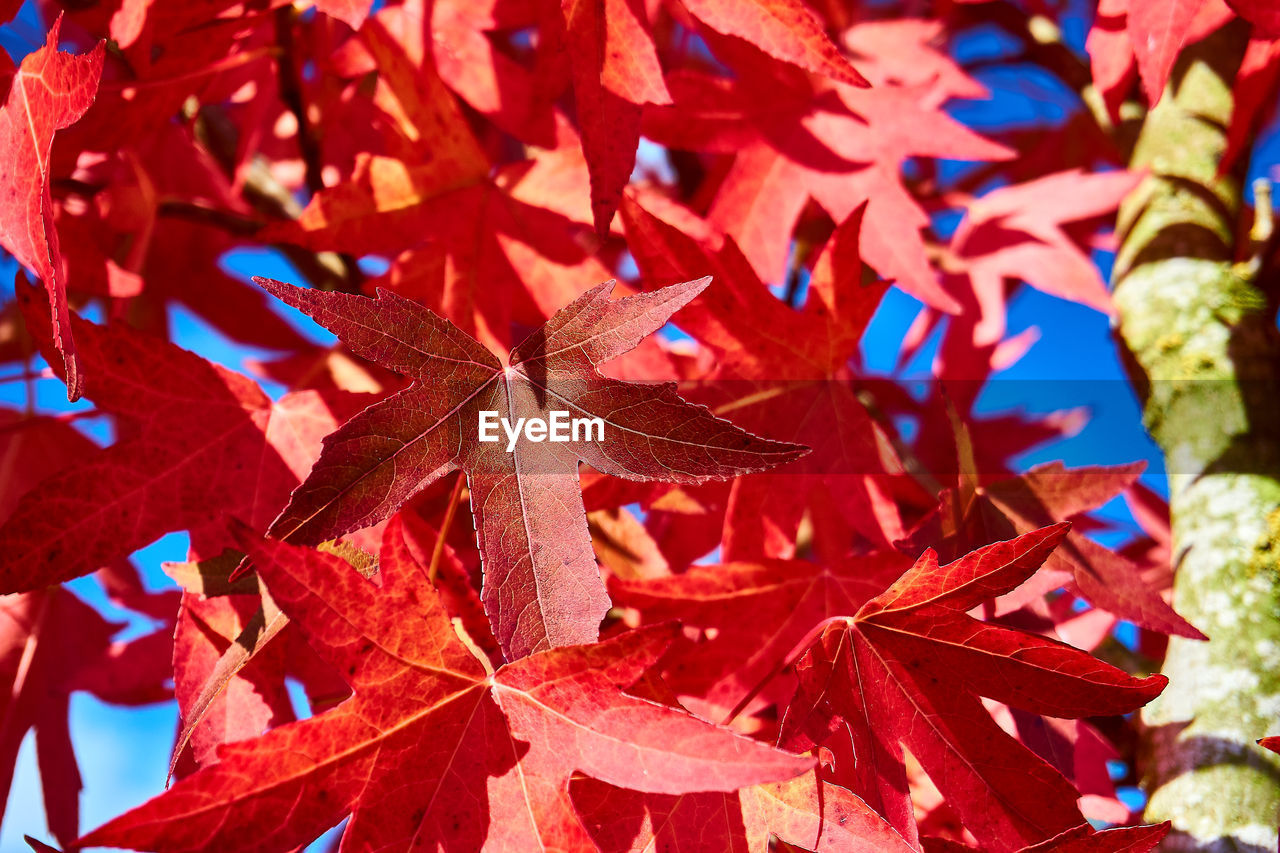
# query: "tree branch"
1204 352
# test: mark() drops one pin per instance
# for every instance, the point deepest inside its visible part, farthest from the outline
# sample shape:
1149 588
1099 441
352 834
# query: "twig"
325 270
289 79
795 272
455 498
227 220
1043 45
73 186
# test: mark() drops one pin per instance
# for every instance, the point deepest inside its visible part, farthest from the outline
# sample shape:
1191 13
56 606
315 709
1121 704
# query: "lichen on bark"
1204 353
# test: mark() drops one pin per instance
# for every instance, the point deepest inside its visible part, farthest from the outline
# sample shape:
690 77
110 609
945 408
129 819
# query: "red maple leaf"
615 73
517 683
432 748
1252 94
458 230
907 670
781 369
785 29
1154 33
805 811
975 514
794 139
201 441
53 644
527 496
50 91
1019 233
752 616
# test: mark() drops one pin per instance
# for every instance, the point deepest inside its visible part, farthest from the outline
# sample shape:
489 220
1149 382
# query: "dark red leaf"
542 588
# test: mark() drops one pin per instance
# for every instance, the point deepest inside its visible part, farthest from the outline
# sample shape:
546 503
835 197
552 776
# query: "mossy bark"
1204 352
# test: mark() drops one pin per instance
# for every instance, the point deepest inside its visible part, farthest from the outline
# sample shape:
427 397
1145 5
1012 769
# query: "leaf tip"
40 847
1054 533
698 285
270 285
74 376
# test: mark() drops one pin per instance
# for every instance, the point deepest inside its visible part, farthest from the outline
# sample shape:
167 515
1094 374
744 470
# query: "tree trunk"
1204 352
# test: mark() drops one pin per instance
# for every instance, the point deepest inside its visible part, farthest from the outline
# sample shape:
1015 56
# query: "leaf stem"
789 659
455 497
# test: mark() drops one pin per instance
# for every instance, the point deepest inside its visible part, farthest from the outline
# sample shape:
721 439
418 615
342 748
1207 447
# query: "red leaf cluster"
757 612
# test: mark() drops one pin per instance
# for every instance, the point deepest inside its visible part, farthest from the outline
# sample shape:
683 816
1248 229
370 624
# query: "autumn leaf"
350 12
542 587
458 236
1043 495
1019 232
805 811
431 747
1158 30
751 615
1251 95
1083 839
204 441
780 369
457 229
226 692
742 545
842 147
53 644
229 669
1110 52
50 91
481 73
907 670
615 73
1154 32
786 29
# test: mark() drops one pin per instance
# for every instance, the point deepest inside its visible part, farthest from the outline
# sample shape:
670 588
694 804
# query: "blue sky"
124 752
